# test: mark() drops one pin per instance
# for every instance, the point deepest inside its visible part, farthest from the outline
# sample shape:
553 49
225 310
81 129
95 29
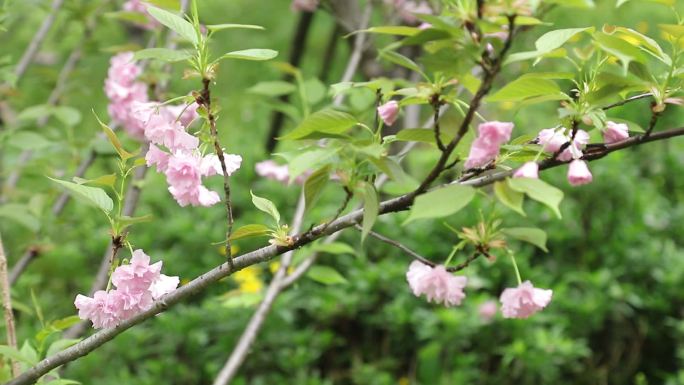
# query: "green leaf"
419 135
20 214
309 160
391 30
65 323
163 54
325 121
531 235
509 197
526 87
337 248
249 231
60 345
401 60
104 180
251 54
221 27
441 202
34 113
619 48
675 30
266 206
126 221
650 46
371 206
28 140
175 23
114 140
94 196
273 88
540 191
67 115
14 354
314 185
325 275
555 39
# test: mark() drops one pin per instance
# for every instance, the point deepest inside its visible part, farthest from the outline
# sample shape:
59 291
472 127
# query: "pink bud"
578 173
487 310
527 170
389 112
615 132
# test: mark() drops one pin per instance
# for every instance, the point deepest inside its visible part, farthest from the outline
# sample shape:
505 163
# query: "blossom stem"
515 266
451 255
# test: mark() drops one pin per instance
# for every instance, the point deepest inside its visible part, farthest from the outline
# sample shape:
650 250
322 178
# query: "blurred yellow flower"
248 280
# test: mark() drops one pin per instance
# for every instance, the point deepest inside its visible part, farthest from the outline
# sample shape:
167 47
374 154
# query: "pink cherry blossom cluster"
139 6
183 164
138 284
123 91
440 286
485 148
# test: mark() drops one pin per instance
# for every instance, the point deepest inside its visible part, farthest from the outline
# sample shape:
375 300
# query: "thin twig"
7 308
630 99
266 253
37 41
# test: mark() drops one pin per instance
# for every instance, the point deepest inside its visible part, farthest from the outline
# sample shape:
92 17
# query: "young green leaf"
251 54
509 197
441 202
540 191
325 275
531 235
221 27
175 23
325 121
93 196
114 140
266 206
314 185
249 231
371 205
527 87
163 54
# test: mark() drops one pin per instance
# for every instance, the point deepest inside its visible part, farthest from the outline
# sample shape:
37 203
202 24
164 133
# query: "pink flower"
424 26
524 300
138 284
138 6
124 91
551 140
527 170
159 129
389 112
574 151
615 132
304 5
578 173
103 310
272 170
157 157
436 283
163 285
138 275
487 310
485 148
185 114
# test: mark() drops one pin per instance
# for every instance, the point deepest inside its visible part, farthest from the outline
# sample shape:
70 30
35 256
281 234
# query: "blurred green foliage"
616 260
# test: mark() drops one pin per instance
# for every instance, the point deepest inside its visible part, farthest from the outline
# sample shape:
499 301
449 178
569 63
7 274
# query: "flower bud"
615 132
389 112
578 173
527 170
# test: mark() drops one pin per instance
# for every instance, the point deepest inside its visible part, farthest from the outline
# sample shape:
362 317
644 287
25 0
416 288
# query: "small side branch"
7 308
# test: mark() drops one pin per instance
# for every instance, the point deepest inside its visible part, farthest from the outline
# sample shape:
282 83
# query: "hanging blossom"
615 132
181 162
389 112
269 169
123 91
436 283
139 6
487 310
485 148
527 170
524 300
552 140
138 284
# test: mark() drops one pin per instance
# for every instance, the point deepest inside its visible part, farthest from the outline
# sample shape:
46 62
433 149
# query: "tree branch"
7 308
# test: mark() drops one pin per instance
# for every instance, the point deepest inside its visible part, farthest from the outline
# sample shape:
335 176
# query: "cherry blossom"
436 283
485 148
389 112
527 170
578 173
615 132
524 300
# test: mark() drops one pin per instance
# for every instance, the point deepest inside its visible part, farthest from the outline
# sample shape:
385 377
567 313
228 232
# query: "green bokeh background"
615 261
